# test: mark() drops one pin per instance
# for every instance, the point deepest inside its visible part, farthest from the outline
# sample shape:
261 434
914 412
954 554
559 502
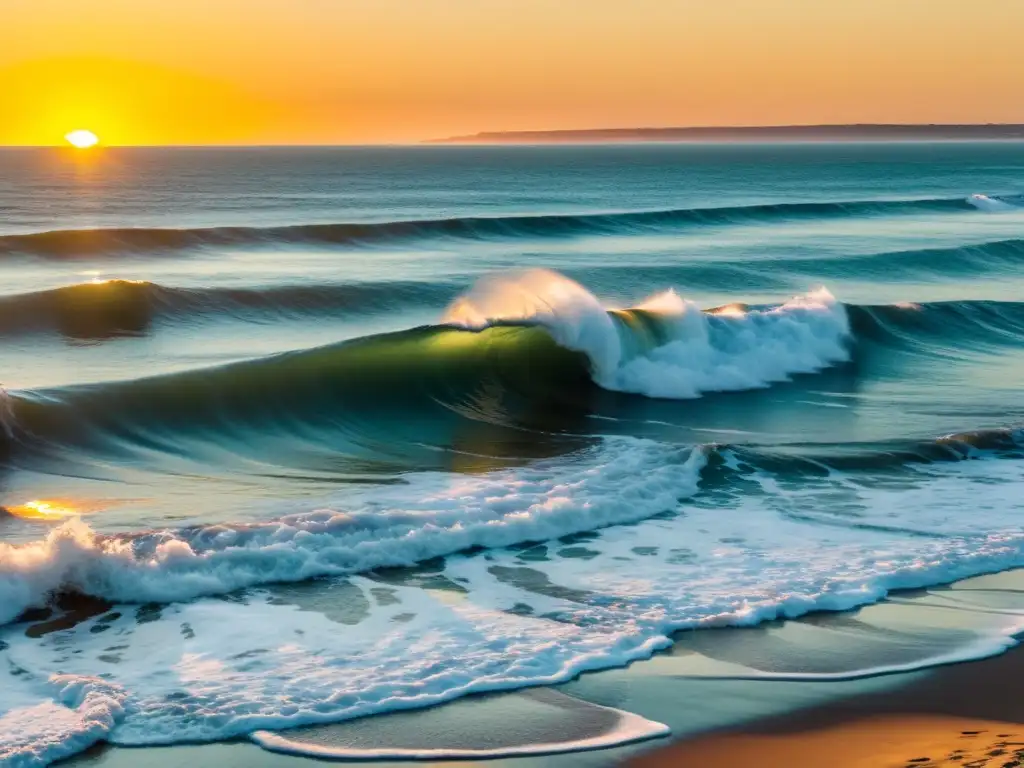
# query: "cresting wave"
540 346
624 481
537 341
69 244
666 347
432 514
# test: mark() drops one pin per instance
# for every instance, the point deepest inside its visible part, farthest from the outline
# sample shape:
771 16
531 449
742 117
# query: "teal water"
770 378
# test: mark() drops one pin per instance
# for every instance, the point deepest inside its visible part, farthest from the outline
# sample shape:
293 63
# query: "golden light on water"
45 509
98 280
58 509
730 310
82 139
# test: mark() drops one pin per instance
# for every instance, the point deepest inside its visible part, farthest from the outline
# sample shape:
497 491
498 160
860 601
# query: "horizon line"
481 137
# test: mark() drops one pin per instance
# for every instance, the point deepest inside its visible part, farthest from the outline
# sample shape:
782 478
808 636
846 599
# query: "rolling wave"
91 243
532 351
103 309
619 480
490 511
513 351
946 323
964 260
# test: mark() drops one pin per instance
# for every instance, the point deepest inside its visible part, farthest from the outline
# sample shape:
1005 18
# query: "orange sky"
353 71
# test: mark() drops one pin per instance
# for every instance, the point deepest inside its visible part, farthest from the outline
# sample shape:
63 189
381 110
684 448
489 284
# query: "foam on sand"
554 724
58 719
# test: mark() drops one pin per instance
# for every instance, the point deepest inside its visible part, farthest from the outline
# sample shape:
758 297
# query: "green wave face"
443 396
392 396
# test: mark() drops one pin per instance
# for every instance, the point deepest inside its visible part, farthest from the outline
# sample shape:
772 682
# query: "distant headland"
855 132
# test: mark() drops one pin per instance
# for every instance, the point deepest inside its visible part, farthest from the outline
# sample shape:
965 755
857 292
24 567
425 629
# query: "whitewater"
347 454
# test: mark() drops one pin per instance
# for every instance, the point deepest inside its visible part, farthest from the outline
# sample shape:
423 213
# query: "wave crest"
667 346
991 204
625 480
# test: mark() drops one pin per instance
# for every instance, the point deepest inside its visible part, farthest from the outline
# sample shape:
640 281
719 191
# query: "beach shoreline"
959 713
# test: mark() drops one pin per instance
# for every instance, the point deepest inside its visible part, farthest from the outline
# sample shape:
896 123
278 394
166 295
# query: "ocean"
322 434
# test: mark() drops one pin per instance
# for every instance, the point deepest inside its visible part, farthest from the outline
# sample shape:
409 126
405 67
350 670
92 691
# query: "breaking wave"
531 350
520 349
619 480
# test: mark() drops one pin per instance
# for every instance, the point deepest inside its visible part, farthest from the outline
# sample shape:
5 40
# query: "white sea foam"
695 352
214 669
990 204
60 718
574 316
435 514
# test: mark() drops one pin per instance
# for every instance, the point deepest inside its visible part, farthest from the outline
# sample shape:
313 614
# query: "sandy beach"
967 714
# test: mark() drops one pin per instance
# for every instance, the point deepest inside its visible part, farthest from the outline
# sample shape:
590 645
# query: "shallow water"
340 432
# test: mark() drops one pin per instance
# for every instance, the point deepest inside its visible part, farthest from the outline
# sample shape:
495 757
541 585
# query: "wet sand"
880 741
967 714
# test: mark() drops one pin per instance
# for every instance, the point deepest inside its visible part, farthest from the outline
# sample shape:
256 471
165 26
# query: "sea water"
339 432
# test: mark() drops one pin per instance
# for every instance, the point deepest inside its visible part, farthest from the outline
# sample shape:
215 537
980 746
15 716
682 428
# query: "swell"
101 309
960 261
822 459
69 244
940 325
780 274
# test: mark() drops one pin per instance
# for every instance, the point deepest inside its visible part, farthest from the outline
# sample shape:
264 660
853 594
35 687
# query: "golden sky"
355 71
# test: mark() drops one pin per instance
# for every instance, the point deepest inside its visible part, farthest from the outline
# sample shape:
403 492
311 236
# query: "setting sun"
82 139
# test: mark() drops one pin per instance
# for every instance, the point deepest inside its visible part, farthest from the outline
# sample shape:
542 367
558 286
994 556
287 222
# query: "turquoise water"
498 415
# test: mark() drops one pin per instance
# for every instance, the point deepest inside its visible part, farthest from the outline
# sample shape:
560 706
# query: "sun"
82 139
